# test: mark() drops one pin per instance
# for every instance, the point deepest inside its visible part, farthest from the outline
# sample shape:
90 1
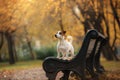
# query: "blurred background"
27 27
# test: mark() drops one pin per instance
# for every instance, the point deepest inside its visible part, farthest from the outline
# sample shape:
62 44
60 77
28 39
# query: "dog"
64 46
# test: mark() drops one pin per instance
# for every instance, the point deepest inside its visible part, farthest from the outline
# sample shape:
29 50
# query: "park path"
39 74
30 74
26 74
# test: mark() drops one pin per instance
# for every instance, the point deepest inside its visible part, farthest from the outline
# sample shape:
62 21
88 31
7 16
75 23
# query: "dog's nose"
55 35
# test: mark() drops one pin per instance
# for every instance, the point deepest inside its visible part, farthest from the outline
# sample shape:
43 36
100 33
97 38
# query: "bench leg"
81 72
66 75
82 76
90 67
51 76
98 66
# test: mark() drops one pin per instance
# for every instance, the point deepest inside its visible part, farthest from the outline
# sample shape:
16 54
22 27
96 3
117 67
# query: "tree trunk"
107 52
33 56
14 50
60 15
115 14
31 51
0 58
1 44
10 48
1 40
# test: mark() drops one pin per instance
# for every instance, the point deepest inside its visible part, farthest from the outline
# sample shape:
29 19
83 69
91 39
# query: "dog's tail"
69 39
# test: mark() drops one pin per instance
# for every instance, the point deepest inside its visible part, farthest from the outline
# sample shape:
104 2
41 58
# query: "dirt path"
29 74
39 74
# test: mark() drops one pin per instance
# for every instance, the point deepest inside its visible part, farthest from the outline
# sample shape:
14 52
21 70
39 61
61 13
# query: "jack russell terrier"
64 46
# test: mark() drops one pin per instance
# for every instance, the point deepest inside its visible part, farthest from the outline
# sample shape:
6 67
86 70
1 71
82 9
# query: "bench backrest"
90 37
95 45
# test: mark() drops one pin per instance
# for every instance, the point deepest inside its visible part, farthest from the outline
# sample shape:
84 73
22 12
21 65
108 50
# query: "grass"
111 65
20 65
108 65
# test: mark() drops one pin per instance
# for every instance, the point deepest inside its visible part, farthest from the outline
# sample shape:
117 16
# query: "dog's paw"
59 57
64 58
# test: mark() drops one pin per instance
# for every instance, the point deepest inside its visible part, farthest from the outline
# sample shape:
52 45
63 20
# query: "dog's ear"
64 32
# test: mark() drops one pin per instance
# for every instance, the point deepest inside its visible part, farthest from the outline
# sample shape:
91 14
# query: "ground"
32 70
27 74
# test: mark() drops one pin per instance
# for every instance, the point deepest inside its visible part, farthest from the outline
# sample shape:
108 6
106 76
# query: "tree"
6 27
13 16
95 16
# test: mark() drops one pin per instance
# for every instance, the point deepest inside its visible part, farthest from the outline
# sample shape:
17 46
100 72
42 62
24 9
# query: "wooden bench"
88 58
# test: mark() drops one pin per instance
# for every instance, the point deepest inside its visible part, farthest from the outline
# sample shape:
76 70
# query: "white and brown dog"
64 45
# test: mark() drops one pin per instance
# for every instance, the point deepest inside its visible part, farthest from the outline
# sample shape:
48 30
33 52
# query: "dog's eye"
60 33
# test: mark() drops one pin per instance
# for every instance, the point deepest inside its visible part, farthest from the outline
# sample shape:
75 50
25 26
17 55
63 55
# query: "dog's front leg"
64 57
58 54
72 53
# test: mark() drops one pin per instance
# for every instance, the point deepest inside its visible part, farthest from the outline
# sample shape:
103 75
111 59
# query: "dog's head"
60 34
